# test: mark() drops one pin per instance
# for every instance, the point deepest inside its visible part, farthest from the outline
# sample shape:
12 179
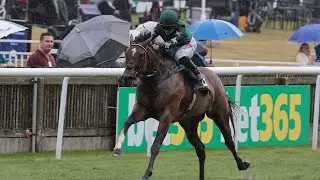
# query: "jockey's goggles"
167 27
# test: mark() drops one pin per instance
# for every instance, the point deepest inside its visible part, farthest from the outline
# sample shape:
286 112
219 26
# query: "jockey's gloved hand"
164 46
161 46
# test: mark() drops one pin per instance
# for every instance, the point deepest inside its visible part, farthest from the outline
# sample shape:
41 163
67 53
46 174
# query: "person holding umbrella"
308 33
303 57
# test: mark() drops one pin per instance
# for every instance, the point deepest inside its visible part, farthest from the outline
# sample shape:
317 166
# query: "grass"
270 45
267 163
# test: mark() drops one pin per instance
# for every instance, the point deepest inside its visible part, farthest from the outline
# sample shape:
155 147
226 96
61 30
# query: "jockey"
176 35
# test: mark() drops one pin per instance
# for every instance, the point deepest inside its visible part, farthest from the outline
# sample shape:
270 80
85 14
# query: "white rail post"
203 10
237 102
237 63
34 113
316 115
149 137
62 110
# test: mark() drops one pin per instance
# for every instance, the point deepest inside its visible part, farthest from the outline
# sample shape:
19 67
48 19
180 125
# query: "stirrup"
200 86
204 82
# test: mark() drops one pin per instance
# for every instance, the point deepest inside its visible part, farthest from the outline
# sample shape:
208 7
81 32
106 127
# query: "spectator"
105 8
5 63
42 58
154 14
24 2
72 9
3 60
123 7
303 57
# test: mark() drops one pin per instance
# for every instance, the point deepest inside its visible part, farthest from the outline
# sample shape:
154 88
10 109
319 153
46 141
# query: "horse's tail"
231 115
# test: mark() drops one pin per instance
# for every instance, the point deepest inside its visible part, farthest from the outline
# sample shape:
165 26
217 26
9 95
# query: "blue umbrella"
214 29
308 33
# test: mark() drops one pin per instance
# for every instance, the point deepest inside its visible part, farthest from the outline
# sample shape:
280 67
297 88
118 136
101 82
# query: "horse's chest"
147 99
153 103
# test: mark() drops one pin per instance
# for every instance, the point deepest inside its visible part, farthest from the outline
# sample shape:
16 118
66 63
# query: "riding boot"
200 84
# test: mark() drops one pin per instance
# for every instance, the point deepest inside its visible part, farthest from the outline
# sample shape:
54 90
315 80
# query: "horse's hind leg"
139 113
222 121
190 126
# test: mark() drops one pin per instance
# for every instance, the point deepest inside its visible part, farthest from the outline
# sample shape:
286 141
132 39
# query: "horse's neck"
166 66
164 71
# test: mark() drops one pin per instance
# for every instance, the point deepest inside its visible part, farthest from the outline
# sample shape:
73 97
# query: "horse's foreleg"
139 113
190 126
164 123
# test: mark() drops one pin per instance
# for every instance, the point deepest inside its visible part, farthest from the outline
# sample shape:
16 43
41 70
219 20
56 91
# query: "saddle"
192 80
177 67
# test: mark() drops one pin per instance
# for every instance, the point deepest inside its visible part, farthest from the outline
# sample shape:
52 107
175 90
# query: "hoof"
244 166
117 152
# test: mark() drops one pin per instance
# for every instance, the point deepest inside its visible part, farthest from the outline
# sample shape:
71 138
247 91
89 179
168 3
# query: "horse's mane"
163 59
148 45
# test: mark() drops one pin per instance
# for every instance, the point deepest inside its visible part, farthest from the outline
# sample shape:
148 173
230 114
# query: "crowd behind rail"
44 56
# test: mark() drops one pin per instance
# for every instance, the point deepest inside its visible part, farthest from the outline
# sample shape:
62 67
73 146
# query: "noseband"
144 63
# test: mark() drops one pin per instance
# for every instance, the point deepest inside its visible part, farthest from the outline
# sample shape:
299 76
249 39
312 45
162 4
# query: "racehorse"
164 93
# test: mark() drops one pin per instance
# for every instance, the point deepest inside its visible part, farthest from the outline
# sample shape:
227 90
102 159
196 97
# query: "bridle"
145 63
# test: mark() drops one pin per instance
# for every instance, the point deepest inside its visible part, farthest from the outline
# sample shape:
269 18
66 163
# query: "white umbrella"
8 27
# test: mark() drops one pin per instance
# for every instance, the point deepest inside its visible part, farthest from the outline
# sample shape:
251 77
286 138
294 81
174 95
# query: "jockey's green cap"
168 18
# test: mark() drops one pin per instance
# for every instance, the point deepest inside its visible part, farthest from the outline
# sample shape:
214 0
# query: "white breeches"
186 50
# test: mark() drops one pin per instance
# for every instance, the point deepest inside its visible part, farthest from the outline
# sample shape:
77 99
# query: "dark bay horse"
164 93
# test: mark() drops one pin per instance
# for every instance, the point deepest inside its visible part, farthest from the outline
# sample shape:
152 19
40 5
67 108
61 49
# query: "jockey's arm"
183 37
144 36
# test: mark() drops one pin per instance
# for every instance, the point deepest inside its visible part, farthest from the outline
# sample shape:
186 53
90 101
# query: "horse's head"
141 61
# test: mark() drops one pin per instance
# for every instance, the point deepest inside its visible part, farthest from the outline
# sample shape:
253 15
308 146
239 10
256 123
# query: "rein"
145 63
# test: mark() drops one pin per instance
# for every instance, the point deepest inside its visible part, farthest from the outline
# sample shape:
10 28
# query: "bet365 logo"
278 117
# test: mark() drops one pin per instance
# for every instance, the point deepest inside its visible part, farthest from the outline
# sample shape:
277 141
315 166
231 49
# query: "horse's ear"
146 42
